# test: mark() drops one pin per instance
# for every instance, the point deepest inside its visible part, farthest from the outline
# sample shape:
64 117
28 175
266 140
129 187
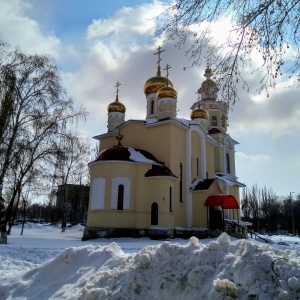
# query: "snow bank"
219 270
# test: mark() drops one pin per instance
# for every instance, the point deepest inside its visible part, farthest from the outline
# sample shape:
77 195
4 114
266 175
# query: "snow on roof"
150 121
137 156
229 181
195 183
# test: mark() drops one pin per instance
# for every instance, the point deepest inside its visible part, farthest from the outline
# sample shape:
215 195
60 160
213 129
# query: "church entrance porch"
215 210
215 218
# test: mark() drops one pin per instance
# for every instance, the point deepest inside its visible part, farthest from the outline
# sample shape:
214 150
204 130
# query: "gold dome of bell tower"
116 112
153 84
199 113
116 106
209 88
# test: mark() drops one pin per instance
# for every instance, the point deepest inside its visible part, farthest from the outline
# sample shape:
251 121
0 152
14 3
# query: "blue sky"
97 43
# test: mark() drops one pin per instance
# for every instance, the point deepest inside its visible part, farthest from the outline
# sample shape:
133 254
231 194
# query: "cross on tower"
159 51
167 68
208 62
117 92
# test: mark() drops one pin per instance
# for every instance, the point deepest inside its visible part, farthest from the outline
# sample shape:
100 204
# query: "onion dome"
116 106
199 113
209 87
153 84
167 92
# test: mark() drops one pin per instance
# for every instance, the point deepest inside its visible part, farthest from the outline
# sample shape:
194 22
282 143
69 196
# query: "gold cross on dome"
117 92
208 62
168 67
159 51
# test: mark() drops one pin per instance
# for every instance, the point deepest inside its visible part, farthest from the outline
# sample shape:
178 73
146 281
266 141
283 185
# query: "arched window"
170 199
120 197
154 214
152 107
180 182
214 121
197 166
227 163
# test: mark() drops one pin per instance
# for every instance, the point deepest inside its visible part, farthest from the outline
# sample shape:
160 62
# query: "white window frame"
97 193
114 192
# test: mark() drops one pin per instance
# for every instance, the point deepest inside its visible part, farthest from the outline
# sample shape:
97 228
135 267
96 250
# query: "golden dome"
167 92
199 113
116 106
153 84
208 70
209 87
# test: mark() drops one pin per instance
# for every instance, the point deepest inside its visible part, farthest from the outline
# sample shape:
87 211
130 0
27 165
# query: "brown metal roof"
159 171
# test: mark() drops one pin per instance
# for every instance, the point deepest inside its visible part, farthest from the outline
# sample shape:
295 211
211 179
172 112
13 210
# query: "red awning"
225 201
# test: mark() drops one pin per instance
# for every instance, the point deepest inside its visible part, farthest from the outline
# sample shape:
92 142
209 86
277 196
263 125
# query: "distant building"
76 199
162 173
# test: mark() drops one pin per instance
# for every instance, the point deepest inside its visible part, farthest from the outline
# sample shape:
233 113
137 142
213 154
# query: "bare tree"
268 28
36 107
71 168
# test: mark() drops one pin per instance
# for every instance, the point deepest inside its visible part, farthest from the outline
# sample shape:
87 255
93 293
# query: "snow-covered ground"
45 263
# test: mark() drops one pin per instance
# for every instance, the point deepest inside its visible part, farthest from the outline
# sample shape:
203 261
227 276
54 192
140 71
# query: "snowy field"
45 263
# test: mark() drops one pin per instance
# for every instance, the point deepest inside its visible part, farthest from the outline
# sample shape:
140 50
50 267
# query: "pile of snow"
221 269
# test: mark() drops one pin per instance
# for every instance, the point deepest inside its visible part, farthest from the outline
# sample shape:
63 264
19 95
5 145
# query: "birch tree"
266 31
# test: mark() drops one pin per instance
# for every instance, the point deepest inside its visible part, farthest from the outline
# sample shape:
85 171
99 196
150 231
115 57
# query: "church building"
163 175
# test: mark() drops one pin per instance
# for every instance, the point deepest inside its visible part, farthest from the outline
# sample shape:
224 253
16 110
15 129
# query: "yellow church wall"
177 152
199 210
177 155
143 192
210 160
197 156
218 159
110 219
129 140
155 140
217 138
161 141
158 140
158 190
108 170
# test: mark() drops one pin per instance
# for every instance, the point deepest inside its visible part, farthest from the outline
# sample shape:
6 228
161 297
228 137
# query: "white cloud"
258 158
121 48
19 30
126 29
